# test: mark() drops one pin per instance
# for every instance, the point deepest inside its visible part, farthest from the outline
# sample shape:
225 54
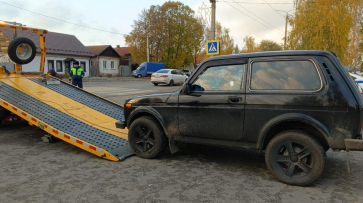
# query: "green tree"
227 43
322 25
250 45
269 45
174 34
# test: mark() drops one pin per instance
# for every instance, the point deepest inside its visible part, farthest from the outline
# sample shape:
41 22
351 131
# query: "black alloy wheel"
295 158
146 137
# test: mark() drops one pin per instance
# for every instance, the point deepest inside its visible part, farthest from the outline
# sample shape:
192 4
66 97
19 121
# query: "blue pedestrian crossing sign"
213 47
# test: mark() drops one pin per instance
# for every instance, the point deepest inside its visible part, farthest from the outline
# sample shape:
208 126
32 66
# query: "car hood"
148 99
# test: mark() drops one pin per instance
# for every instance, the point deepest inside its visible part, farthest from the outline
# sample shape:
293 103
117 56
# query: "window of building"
284 75
59 67
220 78
104 64
112 65
83 65
50 64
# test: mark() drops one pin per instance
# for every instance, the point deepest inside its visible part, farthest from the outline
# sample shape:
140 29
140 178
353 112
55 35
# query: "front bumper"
353 144
120 124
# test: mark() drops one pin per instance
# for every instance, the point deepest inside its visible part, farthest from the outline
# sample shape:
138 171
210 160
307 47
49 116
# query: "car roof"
272 53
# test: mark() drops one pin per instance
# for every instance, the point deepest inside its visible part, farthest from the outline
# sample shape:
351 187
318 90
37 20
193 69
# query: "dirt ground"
33 171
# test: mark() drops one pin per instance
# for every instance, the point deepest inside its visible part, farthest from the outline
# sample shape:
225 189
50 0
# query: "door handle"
234 99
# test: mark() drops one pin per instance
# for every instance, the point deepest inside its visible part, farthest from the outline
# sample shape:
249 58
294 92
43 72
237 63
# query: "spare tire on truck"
22 50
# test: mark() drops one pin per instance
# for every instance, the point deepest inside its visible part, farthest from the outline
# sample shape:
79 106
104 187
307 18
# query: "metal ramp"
68 113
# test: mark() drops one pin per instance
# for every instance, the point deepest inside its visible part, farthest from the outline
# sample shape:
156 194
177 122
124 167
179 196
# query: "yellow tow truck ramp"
68 113
62 110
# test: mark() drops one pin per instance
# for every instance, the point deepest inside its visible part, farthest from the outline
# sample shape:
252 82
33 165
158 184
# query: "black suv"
294 105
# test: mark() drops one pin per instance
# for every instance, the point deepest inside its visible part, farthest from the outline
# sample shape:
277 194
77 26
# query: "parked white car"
168 76
358 80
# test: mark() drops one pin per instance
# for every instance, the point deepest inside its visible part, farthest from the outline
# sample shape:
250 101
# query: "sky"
243 17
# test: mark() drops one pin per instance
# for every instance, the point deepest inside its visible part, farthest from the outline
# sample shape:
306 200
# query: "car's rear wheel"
171 83
146 137
156 84
295 158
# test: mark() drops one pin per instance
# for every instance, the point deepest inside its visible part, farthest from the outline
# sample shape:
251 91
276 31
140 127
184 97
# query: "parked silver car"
168 76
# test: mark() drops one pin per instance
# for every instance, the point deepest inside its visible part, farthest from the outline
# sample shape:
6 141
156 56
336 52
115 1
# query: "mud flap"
173 146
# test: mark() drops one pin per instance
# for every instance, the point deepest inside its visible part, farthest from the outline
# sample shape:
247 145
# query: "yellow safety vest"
76 71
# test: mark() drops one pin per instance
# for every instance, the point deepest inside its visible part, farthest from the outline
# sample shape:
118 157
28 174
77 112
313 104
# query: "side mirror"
186 89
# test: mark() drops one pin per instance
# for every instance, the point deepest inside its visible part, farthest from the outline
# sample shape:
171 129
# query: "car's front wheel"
295 158
146 137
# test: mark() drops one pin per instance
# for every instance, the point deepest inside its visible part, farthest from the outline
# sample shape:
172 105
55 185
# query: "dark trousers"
77 83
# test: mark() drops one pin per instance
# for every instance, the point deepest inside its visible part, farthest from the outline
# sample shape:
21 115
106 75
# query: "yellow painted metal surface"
64 104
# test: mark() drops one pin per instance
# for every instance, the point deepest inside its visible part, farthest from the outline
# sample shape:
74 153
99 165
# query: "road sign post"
213 47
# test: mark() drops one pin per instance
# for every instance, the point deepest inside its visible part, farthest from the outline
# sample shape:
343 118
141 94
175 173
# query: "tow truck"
62 110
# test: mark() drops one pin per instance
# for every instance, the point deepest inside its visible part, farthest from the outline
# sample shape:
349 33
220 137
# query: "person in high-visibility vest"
77 74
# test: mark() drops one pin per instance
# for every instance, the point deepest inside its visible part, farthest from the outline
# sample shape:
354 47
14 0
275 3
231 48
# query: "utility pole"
147 48
287 18
213 23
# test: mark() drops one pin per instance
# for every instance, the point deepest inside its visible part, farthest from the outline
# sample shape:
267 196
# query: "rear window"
162 71
285 75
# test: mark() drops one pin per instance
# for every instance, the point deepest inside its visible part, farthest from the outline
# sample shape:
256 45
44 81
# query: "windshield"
162 71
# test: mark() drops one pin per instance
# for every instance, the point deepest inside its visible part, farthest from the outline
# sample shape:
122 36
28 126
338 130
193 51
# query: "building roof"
98 49
122 51
56 43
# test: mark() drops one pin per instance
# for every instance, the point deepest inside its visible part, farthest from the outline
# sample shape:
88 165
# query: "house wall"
108 70
34 65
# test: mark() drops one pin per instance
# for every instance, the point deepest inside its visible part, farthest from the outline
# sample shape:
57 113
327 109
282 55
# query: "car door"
214 108
175 76
181 76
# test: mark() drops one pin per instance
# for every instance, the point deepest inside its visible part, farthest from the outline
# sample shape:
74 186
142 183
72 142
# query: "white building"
61 51
105 62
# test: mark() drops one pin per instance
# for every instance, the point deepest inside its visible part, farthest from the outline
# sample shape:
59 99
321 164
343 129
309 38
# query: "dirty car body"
304 91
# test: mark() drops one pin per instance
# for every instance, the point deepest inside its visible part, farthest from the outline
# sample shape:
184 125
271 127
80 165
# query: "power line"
274 9
243 2
258 17
251 17
61 19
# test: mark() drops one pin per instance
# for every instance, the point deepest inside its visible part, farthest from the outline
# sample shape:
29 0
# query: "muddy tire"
22 50
146 137
295 158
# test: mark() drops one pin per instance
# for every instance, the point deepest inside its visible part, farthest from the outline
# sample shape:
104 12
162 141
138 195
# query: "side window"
83 65
174 72
284 75
59 66
104 64
142 69
220 78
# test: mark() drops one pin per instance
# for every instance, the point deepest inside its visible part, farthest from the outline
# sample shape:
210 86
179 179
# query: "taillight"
164 76
152 76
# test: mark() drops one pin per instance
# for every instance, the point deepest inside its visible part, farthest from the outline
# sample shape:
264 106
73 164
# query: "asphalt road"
33 171
121 90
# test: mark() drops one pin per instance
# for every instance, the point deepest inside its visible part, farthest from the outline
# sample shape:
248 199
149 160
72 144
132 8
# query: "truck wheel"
295 158
22 50
146 137
139 76
171 83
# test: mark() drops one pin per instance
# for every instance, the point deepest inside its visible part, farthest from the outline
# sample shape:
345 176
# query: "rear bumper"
353 144
120 124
